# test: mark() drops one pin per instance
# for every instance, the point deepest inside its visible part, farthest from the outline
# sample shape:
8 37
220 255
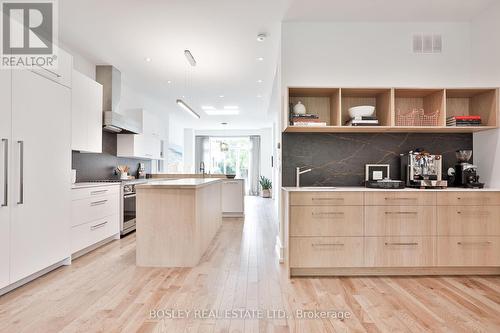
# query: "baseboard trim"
94 246
34 276
280 251
394 271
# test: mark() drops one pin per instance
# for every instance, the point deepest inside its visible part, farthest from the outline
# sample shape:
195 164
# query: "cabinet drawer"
326 252
90 233
472 198
326 221
399 251
400 220
396 198
469 221
93 192
91 209
468 251
326 198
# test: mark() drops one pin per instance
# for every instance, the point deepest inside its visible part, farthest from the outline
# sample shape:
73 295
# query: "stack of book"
463 121
363 121
307 120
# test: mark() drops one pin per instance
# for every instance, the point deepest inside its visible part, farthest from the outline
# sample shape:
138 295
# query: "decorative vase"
266 193
299 108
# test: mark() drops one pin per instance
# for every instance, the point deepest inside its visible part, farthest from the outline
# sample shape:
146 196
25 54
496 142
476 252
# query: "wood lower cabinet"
316 252
394 232
468 251
406 251
400 220
326 221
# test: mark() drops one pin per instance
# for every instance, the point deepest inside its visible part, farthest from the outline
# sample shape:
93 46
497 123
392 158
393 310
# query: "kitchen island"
176 221
362 231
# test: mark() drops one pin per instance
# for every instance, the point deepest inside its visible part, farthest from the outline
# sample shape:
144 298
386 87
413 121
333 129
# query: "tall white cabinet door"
41 125
5 141
94 119
79 130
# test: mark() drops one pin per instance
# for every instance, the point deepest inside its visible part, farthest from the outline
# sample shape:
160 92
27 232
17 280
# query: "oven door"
129 212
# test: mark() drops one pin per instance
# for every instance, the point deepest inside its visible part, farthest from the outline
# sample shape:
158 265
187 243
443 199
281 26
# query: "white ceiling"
386 10
221 34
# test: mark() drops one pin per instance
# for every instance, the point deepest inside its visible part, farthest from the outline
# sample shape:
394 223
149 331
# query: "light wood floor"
104 292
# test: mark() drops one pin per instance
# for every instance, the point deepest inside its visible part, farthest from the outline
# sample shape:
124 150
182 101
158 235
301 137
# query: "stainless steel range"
128 211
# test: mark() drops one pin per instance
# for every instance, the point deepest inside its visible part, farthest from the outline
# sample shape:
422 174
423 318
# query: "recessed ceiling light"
222 112
231 107
147 59
261 37
169 81
259 96
221 96
260 58
259 81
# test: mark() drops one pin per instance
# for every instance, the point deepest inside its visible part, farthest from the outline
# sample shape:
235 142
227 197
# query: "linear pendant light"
190 58
187 108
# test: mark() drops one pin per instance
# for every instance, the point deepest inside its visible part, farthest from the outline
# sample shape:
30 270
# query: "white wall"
486 68
373 54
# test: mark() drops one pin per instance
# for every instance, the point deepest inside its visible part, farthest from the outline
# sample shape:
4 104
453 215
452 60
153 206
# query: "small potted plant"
266 185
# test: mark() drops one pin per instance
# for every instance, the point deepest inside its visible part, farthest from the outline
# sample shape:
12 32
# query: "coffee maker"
465 173
422 169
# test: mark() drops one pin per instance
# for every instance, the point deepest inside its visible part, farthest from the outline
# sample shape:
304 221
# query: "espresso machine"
465 173
422 170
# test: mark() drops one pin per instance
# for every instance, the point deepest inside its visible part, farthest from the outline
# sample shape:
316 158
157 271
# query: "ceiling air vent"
427 43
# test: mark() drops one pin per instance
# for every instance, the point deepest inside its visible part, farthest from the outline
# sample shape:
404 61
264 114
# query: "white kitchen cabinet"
40 179
62 73
95 216
141 146
233 195
152 125
5 139
86 109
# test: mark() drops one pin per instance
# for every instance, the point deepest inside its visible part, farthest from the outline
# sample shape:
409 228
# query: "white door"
41 181
79 100
5 141
94 119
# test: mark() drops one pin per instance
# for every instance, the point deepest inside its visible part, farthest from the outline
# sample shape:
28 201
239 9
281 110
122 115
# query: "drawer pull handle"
477 213
98 192
327 213
399 199
98 203
97 226
327 244
401 213
474 243
402 244
327 199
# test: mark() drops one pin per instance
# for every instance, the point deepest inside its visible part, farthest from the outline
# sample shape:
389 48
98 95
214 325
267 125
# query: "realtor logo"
28 33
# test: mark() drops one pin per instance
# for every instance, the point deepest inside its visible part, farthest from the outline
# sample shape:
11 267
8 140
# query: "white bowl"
361 111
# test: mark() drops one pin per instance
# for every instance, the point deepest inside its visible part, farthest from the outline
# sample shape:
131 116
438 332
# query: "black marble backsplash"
90 166
339 159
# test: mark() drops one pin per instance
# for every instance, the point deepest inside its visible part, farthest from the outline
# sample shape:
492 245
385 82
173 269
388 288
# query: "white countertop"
179 183
92 184
365 189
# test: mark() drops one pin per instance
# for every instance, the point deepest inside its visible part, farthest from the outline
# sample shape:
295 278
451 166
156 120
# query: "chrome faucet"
300 172
202 168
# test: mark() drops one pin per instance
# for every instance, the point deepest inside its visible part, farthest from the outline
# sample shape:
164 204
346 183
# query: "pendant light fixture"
180 101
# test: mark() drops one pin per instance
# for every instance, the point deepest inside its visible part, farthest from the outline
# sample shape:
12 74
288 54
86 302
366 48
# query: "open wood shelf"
392 129
332 105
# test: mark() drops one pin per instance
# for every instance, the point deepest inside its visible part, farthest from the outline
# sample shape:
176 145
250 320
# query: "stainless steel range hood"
113 120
